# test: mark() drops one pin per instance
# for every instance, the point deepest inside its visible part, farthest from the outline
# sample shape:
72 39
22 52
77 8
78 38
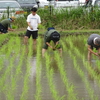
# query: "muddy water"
72 76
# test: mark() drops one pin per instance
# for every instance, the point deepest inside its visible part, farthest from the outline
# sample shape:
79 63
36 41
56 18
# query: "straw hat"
13 18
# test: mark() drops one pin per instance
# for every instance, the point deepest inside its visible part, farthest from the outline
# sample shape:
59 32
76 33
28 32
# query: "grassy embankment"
77 20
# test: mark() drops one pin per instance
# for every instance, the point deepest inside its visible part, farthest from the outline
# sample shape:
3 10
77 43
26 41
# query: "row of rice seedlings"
91 71
3 38
50 74
10 47
25 90
69 87
16 50
38 71
3 51
82 75
20 53
80 72
86 64
2 54
2 78
1 63
14 80
8 74
17 68
98 64
19 56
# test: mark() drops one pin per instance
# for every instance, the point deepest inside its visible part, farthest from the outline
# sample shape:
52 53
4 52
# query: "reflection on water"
71 74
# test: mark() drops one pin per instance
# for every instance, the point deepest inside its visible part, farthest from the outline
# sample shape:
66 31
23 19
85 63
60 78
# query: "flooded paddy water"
26 75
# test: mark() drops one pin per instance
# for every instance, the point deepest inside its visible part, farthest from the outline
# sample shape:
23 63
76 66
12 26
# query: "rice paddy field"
26 75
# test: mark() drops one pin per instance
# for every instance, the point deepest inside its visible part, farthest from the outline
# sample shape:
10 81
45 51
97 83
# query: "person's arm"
55 47
57 43
29 22
10 29
89 48
30 25
39 24
49 45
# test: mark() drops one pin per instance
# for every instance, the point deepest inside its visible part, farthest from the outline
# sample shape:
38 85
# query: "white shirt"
34 21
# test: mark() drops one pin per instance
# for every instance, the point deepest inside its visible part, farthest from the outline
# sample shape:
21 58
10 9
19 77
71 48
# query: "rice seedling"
69 86
27 74
38 72
50 73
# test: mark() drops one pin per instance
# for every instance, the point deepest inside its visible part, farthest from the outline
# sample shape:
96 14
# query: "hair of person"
55 36
34 9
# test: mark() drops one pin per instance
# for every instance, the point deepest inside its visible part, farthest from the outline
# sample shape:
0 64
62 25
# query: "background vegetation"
66 18
63 19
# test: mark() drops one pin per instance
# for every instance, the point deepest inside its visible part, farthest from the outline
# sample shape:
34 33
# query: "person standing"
51 35
88 3
33 20
93 42
5 25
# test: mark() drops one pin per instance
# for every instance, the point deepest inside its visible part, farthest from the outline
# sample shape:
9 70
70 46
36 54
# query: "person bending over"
93 42
51 35
5 25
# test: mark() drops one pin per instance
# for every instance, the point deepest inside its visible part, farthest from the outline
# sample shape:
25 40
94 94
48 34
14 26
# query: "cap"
50 28
55 36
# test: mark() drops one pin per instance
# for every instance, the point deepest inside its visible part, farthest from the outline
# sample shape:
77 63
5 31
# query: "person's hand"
54 49
51 47
12 30
31 28
97 54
